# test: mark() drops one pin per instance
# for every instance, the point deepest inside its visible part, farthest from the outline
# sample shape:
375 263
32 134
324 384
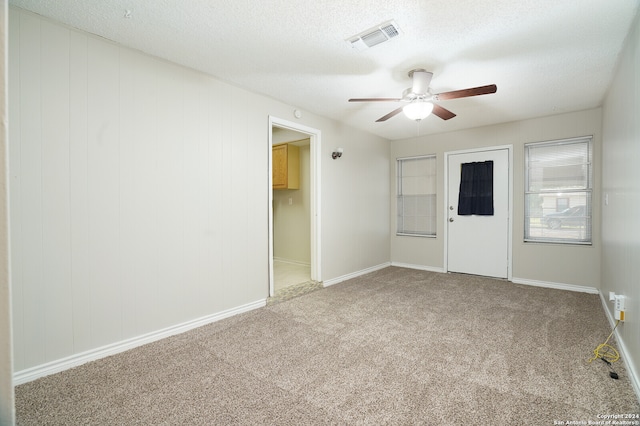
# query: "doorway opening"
294 214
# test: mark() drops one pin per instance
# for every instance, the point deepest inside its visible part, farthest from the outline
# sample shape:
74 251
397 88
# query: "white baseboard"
633 374
419 267
332 281
57 366
558 286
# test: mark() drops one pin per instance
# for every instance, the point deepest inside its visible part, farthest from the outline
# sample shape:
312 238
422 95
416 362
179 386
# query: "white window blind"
416 203
559 183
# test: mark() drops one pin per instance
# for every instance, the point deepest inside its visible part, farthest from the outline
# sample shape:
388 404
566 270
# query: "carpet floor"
396 346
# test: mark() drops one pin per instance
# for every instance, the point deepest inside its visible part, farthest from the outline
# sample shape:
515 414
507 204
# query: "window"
558 191
416 206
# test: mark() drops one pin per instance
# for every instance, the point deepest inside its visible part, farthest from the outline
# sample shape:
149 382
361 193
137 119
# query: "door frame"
315 138
509 149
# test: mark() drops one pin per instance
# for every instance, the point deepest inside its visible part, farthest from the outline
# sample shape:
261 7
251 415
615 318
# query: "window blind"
416 196
559 185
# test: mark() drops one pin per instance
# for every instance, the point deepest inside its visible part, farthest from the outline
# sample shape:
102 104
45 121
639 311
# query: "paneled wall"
621 186
133 193
139 193
7 410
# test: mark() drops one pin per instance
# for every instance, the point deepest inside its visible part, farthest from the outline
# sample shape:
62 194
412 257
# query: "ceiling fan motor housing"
421 80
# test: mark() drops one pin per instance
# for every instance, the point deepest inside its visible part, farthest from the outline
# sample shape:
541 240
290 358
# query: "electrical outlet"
619 307
612 296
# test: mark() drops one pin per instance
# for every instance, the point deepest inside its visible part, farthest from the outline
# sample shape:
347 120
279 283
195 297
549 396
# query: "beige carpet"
396 346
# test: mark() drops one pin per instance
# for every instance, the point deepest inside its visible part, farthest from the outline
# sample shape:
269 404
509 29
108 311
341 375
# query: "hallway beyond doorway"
286 274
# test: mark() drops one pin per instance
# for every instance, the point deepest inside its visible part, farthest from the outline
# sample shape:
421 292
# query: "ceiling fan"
419 98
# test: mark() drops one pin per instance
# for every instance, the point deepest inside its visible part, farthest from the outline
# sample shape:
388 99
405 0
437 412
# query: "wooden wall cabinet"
286 166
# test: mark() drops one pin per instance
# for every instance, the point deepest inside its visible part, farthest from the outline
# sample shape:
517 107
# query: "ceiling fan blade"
443 113
465 93
391 114
375 100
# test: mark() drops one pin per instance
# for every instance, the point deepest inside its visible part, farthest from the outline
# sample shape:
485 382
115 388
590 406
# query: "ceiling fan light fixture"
418 110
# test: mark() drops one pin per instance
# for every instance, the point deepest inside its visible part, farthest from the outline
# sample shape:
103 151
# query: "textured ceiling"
545 56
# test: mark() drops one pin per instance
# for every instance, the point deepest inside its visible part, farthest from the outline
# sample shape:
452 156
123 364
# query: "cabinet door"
279 166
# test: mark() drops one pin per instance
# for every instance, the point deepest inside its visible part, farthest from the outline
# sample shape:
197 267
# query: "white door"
479 244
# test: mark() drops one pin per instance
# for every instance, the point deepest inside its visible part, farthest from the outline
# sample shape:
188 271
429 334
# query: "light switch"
290 201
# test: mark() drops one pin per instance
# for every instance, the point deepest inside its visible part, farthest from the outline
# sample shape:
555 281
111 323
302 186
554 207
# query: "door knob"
450 219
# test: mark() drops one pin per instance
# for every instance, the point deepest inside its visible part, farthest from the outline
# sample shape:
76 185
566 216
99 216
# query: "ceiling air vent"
374 36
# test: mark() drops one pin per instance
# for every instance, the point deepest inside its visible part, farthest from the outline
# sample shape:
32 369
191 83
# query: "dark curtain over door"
476 189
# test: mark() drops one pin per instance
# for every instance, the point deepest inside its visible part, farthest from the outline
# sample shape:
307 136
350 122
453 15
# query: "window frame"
432 233
587 190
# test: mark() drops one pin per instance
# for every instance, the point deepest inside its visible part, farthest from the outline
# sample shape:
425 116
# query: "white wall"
355 203
621 217
6 368
139 193
543 264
